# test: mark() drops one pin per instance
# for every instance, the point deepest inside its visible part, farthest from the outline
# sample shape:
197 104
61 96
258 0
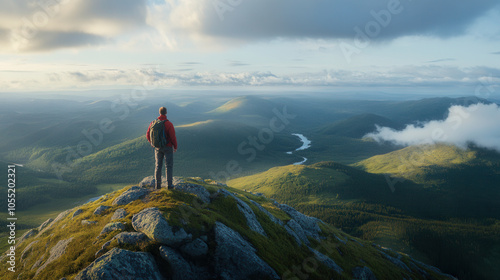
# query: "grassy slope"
361 204
278 249
414 161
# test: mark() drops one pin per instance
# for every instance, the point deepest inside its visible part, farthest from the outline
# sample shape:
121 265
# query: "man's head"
163 111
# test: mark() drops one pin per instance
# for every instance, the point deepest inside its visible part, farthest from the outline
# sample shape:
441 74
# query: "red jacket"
169 131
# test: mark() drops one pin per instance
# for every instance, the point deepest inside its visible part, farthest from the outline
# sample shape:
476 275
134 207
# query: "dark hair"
163 111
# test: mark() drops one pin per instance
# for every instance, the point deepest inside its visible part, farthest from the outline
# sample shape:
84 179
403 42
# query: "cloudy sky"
444 45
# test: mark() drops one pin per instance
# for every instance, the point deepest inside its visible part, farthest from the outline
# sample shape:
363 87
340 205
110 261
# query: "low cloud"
476 124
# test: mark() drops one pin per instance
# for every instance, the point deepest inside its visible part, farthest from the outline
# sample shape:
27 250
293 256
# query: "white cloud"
27 25
478 124
246 20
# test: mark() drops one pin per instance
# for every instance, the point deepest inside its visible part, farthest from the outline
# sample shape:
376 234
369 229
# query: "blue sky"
448 46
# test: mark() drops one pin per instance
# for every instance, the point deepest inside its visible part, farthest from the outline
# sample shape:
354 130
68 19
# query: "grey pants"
168 153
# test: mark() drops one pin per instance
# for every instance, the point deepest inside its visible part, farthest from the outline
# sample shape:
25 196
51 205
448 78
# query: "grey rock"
28 234
294 235
271 216
38 262
106 245
359 243
250 217
236 258
112 227
327 261
50 223
130 195
299 231
77 212
28 249
45 224
147 182
309 224
177 180
340 239
119 214
130 238
99 210
88 223
195 249
363 273
204 238
197 190
151 222
180 268
395 261
56 252
119 264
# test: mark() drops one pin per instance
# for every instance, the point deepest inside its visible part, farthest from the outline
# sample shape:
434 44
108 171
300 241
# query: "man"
167 151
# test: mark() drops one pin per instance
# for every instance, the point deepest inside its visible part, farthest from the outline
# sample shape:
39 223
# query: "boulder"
180 268
236 258
300 233
363 273
195 249
45 224
294 235
28 249
250 217
56 252
151 222
77 212
118 264
28 234
99 210
309 224
327 261
112 227
130 238
147 182
119 214
197 190
264 210
130 195
395 261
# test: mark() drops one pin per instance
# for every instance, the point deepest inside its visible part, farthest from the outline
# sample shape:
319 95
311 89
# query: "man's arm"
147 133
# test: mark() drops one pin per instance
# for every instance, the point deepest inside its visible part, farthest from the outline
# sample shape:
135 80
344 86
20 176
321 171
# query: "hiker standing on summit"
161 135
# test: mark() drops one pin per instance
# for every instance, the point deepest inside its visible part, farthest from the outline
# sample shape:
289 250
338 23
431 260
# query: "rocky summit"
200 230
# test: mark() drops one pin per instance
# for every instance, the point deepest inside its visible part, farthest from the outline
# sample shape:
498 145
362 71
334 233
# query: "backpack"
157 134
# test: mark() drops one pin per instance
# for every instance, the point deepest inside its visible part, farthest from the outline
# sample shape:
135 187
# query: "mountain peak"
201 229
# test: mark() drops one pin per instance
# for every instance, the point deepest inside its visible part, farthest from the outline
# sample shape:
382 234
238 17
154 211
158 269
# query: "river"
306 144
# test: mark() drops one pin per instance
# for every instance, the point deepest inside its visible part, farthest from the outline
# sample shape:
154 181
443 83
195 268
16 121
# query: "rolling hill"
414 219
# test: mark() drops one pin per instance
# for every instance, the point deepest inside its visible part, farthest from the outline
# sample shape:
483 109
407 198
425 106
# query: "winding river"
306 144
